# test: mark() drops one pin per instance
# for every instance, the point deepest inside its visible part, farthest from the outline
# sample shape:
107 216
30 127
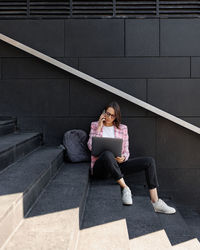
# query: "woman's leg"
148 165
106 166
122 183
153 194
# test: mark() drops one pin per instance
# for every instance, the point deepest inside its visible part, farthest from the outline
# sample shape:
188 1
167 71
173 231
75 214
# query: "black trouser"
107 166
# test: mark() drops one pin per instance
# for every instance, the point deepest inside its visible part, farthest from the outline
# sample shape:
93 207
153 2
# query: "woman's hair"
116 107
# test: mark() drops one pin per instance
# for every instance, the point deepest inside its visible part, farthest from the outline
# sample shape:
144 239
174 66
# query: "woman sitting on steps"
106 165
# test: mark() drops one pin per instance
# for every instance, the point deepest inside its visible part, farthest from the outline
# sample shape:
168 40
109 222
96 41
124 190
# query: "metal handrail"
100 84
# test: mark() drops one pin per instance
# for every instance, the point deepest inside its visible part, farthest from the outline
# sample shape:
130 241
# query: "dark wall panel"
180 37
53 127
183 184
15 68
195 66
177 96
34 97
142 37
98 37
141 131
193 120
177 147
83 94
154 67
142 136
124 54
7 50
47 36
135 87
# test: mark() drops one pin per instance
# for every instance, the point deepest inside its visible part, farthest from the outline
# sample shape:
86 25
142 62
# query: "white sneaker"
161 207
127 196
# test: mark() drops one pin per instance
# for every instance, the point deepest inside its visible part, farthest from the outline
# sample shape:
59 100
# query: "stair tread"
6 120
141 218
68 183
19 176
192 218
7 127
103 220
54 219
10 140
176 227
112 236
192 244
104 205
155 241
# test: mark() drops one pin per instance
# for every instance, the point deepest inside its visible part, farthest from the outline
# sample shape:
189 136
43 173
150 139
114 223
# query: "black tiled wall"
155 60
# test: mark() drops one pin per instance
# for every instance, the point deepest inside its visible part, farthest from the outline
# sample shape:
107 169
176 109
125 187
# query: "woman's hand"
100 122
120 159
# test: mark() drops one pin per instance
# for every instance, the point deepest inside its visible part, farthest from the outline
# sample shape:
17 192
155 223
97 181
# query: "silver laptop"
100 144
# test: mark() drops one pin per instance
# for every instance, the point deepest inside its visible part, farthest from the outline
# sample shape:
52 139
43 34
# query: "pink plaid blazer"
121 132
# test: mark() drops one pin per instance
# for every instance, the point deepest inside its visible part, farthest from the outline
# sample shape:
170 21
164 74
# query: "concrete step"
16 145
112 236
155 241
104 206
142 220
7 125
22 182
175 226
104 226
54 220
189 245
192 219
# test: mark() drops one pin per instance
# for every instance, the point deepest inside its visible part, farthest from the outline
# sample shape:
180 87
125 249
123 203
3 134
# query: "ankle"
154 200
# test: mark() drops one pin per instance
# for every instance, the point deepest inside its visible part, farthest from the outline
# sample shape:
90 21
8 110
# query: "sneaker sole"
127 204
157 211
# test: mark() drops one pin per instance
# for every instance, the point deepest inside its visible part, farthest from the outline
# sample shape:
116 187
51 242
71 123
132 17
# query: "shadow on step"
67 191
104 205
66 200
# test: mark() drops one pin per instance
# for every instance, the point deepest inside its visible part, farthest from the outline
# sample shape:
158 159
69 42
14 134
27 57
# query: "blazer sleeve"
93 132
125 148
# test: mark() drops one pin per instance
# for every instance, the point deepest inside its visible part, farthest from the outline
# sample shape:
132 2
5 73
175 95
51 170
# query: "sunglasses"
109 114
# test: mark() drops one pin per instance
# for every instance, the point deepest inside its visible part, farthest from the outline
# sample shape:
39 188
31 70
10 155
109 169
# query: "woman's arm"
125 145
94 131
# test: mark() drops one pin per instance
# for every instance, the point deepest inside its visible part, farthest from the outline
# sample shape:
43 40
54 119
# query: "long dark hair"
116 107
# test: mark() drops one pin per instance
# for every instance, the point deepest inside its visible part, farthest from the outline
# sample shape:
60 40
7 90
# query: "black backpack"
75 143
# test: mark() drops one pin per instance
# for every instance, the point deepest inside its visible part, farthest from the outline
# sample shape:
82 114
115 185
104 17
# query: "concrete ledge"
7 125
104 226
155 241
54 220
112 236
189 245
7 120
21 184
16 145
